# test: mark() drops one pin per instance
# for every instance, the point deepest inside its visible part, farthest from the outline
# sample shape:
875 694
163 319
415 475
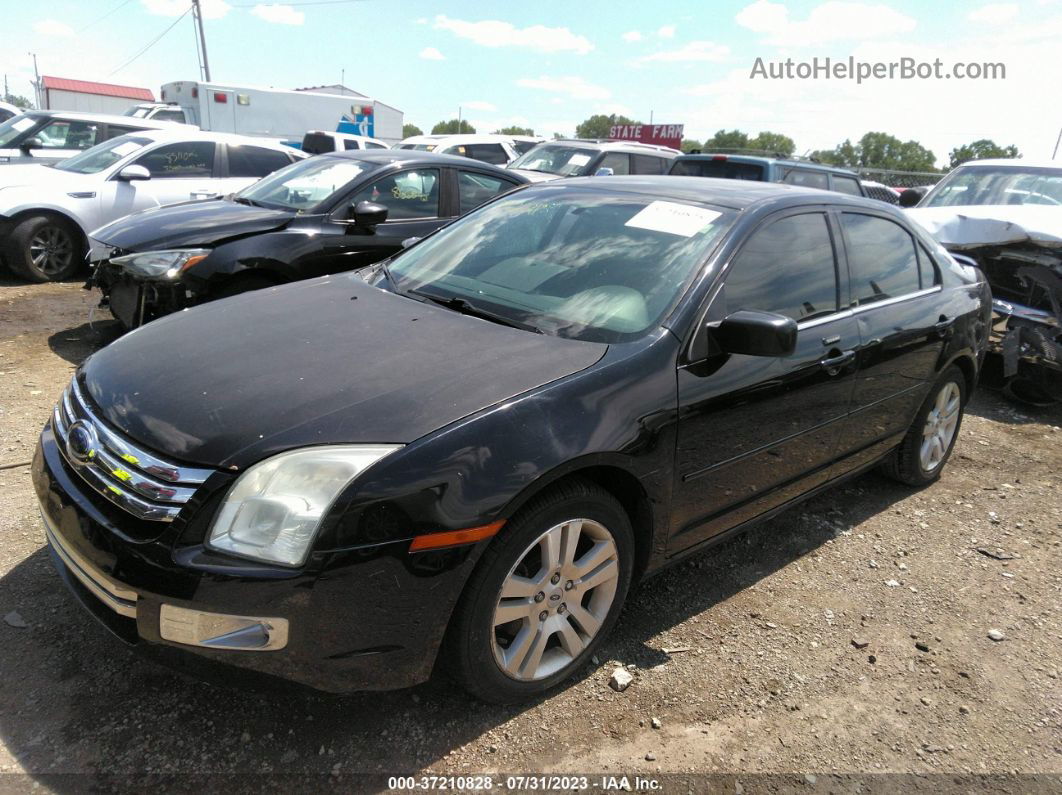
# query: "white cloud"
53 27
573 86
432 54
614 107
279 14
421 20
694 51
479 105
494 33
994 13
212 9
830 21
666 32
632 35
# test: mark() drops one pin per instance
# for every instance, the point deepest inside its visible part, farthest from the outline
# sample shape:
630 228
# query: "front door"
754 431
180 172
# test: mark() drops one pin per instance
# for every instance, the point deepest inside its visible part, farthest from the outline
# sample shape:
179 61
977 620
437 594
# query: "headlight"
273 511
162 264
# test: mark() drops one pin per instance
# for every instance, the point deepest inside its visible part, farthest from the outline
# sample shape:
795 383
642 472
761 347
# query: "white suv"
46 136
47 213
498 150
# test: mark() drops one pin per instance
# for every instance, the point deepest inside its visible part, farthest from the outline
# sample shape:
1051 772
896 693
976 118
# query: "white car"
498 150
48 136
7 110
47 212
321 142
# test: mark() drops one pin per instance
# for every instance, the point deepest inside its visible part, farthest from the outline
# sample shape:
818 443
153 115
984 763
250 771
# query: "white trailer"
277 113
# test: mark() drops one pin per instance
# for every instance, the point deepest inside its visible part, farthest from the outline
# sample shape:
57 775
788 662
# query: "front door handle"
942 326
833 364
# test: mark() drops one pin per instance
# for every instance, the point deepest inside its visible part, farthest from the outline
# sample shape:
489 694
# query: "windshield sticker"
23 124
683 220
578 160
126 149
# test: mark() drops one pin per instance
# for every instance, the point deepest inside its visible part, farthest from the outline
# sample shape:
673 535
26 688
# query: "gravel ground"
849 635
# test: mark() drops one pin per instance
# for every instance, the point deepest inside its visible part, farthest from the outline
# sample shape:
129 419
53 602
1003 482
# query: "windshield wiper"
466 307
248 202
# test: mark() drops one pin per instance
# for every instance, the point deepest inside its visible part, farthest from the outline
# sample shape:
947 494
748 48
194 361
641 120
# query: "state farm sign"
659 134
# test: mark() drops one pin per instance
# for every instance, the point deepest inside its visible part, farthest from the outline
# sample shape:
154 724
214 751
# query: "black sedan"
327 214
468 453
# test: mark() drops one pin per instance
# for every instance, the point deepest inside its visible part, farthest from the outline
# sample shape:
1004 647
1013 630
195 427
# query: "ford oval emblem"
81 442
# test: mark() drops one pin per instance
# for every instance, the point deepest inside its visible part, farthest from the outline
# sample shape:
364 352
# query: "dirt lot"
768 671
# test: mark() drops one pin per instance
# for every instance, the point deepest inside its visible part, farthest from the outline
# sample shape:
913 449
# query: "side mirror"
911 197
367 215
133 173
604 172
31 143
756 333
409 241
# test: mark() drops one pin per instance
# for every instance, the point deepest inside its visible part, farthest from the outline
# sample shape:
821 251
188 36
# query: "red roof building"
61 93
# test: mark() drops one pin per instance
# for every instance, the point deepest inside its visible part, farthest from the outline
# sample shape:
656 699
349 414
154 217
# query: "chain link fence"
899 179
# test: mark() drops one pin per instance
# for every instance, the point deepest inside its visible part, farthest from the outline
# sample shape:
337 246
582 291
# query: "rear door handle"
835 363
942 325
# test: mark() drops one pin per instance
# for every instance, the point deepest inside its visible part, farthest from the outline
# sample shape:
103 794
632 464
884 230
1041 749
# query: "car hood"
324 361
535 176
193 223
973 226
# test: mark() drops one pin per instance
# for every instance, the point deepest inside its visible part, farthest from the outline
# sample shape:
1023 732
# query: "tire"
502 662
45 248
910 463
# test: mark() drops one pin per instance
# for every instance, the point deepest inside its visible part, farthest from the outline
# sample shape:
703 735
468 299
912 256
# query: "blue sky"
686 62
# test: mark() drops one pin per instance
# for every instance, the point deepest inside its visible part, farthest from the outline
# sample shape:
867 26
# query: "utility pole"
37 91
1057 142
197 16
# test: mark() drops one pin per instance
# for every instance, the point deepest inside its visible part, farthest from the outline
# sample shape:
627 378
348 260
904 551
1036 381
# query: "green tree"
514 131
689 144
599 125
409 130
452 127
727 141
18 101
880 150
773 142
981 150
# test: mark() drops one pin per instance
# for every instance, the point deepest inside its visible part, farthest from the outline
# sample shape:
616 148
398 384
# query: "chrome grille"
136 480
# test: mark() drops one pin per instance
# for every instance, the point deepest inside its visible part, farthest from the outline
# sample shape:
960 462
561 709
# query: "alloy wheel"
939 430
51 250
555 599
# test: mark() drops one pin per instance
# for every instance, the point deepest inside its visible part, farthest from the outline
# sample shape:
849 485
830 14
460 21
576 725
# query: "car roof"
786 161
737 194
1036 162
608 145
107 118
413 157
456 138
184 132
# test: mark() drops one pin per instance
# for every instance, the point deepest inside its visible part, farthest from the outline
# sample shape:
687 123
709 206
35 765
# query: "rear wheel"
44 248
925 449
544 596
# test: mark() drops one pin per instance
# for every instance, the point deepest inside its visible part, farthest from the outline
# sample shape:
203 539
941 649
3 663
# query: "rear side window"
371 145
805 178
487 153
187 160
881 258
786 267
348 145
474 189
169 115
255 161
845 185
406 195
318 143
619 162
720 169
647 164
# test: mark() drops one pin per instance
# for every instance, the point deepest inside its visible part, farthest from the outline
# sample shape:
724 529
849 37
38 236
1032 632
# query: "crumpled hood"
535 176
323 361
965 227
191 223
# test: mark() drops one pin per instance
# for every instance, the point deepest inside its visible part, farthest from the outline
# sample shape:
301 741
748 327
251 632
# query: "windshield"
305 184
18 127
563 160
1015 184
584 264
101 156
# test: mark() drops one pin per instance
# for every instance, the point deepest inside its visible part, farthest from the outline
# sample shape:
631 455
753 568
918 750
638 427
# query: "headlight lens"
161 264
273 511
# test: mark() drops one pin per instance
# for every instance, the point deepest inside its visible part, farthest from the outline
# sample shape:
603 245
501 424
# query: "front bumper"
134 301
366 620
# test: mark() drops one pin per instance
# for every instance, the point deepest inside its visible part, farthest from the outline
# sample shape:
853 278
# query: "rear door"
649 164
246 164
754 431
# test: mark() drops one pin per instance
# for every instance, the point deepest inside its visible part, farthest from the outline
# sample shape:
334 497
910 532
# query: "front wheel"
925 449
43 248
544 595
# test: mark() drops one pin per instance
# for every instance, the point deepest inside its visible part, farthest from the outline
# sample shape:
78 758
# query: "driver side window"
406 195
192 159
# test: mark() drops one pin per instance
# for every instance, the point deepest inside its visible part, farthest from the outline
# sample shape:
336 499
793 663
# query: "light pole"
197 16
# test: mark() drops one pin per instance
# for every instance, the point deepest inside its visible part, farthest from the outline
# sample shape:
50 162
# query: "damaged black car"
1006 216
